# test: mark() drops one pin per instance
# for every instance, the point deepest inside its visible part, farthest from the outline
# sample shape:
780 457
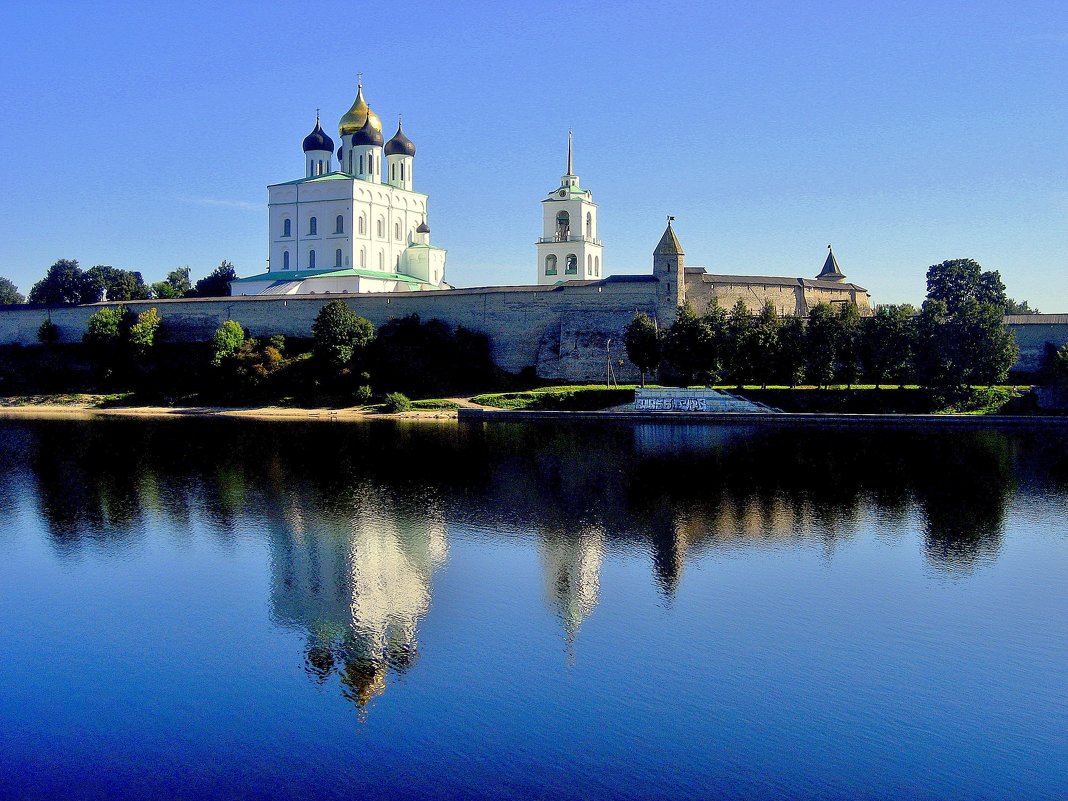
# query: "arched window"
313 227
363 257
311 259
285 258
550 264
402 170
393 172
287 227
396 231
381 261
381 228
597 266
571 266
363 225
589 225
361 165
320 166
563 226
589 265
340 224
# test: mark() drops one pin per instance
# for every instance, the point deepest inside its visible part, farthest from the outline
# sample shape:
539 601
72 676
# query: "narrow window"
311 259
340 224
363 257
285 258
393 172
563 226
396 231
550 264
597 266
571 266
313 226
381 228
286 228
589 265
363 225
402 170
381 260
361 165
589 225
337 257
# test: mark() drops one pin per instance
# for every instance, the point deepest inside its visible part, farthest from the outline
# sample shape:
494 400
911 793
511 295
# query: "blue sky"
144 135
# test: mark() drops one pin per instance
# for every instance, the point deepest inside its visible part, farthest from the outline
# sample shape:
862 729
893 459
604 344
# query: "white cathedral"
355 225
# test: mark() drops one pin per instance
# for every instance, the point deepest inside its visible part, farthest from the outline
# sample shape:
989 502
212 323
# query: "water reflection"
357 517
358 586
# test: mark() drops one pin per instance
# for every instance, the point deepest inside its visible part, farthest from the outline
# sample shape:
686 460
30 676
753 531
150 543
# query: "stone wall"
567 332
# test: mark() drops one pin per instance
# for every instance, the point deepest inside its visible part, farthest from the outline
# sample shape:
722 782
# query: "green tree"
821 340
689 347
143 332
1058 366
226 340
339 333
103 282
175 285
216 284
887 344
847 348
716 322
790 358
962 337
62 285
739 355
48 333
105 327
1019 307
9 293
764 344
642 340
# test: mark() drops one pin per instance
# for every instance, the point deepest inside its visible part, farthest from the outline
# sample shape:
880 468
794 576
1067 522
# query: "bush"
396 402
361 396
227 339
48 333
339 333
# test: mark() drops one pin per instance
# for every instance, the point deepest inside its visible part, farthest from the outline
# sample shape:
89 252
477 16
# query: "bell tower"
569 249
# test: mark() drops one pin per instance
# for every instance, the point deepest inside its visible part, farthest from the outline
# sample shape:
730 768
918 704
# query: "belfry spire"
570 168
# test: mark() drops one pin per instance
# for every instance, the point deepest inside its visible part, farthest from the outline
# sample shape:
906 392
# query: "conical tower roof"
669 243
830 271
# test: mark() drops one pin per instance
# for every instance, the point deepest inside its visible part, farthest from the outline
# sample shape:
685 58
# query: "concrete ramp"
669 399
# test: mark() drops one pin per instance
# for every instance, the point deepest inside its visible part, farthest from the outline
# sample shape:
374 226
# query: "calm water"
381 611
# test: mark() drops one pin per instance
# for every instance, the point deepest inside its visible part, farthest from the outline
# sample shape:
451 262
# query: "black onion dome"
400 145
423 228
367 135
318 140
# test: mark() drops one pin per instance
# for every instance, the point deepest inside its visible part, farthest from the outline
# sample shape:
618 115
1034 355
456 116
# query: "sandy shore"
88 410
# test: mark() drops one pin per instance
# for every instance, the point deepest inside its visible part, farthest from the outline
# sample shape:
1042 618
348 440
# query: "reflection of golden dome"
358 115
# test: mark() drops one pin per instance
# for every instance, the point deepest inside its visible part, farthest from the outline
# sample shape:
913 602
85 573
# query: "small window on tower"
589 225
313 226
287 228
550 264
363 225
363 257
361 165
402 170
396 231
285 258
563 226
571 267
311 259
337 257
381 228
340 227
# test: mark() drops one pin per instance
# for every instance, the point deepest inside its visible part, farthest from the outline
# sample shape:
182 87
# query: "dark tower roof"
669 243
830 271
400 145
318 140
423 228
368 135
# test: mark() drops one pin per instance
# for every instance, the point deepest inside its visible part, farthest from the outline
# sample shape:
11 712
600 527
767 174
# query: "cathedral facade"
354 223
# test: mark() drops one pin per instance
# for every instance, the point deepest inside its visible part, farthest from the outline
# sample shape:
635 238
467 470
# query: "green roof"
301 275
330 176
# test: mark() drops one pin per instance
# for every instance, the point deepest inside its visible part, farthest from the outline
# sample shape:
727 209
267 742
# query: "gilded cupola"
358 116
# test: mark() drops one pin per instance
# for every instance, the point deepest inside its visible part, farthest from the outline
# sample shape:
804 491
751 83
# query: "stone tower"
669 267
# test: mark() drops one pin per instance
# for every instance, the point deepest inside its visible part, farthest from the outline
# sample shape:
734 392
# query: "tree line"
955 340
67 284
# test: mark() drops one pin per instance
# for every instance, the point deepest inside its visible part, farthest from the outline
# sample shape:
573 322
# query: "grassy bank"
580 398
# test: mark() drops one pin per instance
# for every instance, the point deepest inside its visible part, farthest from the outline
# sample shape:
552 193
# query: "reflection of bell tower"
572 574
569 249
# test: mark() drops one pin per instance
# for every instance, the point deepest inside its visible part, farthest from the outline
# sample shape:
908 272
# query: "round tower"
361 140
400 156
318 151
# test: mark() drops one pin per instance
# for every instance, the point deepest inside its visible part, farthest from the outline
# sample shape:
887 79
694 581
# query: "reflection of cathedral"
572 566
359 589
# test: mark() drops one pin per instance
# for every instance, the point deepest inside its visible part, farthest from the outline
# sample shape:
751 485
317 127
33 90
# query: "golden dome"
357 116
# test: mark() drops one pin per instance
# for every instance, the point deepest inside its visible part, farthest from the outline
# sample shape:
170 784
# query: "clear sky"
143 135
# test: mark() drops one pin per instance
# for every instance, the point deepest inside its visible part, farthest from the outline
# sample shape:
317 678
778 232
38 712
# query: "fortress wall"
567 333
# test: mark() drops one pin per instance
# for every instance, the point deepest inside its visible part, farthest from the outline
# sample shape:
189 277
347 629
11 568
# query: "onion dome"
423 228
370 133
318 140
400 145
340 150
358 116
